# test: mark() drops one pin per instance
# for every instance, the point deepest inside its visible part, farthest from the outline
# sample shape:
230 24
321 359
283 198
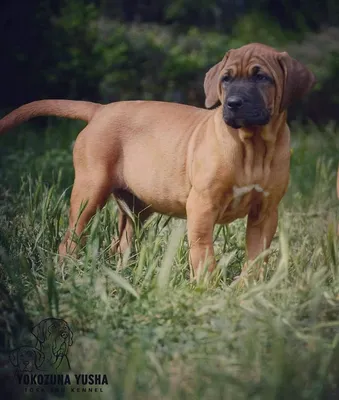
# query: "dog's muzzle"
242 111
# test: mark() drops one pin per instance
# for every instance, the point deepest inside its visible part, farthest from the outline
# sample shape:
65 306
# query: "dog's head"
255 82
26 358
54 330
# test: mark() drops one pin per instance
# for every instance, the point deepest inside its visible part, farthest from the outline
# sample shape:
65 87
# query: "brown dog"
209 166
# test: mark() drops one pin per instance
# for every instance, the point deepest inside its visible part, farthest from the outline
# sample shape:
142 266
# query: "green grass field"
140 320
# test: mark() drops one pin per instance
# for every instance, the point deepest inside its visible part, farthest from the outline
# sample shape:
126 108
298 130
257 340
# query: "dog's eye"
260 78
225 78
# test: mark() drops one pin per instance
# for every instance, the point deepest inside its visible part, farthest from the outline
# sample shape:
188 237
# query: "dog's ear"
40 330
39 357
211 82
14 357
70 337
298 80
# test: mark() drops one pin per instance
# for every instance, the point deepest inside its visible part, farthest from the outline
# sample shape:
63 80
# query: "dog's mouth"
237 121
234 123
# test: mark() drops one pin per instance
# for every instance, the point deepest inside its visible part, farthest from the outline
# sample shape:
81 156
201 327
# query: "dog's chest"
238 202
240 192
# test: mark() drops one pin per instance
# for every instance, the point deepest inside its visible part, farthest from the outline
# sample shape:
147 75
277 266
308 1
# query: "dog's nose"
234 103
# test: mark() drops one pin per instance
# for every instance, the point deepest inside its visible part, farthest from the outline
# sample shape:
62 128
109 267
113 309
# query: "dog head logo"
54 337
255 82
26 359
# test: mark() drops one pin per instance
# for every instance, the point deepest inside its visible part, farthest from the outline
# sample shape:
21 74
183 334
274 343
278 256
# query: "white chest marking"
238 192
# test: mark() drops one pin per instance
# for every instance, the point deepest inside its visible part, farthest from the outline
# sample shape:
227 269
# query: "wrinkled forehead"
244 60
58 326
26 351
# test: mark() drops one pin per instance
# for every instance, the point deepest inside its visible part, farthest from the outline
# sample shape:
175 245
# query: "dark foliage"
108 50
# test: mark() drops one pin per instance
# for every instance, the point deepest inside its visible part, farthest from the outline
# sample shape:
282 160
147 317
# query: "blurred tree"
109 50
49 46
221 14
24 33
74 71
300 14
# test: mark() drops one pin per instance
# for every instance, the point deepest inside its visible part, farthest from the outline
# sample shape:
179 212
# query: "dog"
207 165
26 359
54 337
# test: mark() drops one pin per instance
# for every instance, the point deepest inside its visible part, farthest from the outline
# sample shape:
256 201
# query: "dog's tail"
74 109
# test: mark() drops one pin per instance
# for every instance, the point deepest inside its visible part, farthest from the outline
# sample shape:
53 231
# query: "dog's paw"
240 281
115 246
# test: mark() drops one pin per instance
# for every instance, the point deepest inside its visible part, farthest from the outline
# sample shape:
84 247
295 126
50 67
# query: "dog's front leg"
259 235
201 217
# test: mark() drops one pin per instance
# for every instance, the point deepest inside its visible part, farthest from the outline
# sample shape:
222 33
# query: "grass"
140 320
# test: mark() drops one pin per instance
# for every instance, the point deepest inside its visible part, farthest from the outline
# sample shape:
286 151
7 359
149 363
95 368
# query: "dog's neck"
258 145
267 133
47 349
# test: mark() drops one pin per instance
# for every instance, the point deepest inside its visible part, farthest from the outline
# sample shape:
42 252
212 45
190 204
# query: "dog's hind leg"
132 213
92 187
90 193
